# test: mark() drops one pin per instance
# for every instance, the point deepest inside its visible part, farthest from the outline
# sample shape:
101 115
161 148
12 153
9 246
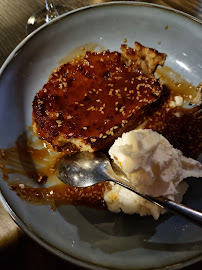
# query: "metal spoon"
86 169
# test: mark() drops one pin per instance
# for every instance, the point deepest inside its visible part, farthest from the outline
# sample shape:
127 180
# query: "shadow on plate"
115 232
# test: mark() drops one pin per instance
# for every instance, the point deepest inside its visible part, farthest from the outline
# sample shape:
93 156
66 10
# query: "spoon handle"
190 214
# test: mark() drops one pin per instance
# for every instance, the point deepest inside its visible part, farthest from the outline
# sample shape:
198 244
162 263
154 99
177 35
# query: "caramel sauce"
80 51
181 126
39 166
176 83
63 194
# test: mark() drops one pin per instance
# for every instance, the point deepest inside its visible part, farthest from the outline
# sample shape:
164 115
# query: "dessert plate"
93 238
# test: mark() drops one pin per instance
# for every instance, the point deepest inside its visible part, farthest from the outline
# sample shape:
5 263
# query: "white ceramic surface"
100 239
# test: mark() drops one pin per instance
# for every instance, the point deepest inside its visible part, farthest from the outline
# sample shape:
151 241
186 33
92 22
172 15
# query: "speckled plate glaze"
87 237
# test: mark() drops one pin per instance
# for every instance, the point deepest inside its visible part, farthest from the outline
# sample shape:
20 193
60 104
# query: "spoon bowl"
83 169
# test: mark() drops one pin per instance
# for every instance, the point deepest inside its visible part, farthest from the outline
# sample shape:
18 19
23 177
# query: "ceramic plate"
91 238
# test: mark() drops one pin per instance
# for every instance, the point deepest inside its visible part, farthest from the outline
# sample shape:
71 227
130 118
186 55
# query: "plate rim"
14 216
132 3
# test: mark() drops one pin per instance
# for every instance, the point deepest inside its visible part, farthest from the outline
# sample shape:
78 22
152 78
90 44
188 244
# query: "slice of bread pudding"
87 104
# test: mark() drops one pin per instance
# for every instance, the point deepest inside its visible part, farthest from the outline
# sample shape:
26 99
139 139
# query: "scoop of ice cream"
153 167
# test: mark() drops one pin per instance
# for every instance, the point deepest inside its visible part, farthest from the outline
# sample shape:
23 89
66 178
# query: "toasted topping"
92 97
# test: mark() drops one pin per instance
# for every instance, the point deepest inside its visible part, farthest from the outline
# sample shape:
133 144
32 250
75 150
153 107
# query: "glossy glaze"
94 99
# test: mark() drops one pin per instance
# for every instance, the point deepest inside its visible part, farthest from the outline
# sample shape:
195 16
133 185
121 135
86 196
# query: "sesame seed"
139 85
39 102
85 62
111 92
59 122
122 108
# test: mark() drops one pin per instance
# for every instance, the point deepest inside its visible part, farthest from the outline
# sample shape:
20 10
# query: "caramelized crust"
144 58
86 105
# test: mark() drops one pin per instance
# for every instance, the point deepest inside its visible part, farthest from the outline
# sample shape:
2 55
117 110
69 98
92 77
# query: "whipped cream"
153 167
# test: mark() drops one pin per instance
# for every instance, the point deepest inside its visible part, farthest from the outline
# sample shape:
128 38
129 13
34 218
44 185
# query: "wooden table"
18 251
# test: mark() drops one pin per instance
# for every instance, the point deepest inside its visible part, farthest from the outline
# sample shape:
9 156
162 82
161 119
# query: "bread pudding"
88 103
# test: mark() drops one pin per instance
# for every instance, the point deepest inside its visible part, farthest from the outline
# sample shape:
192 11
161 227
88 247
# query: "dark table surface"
17 250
